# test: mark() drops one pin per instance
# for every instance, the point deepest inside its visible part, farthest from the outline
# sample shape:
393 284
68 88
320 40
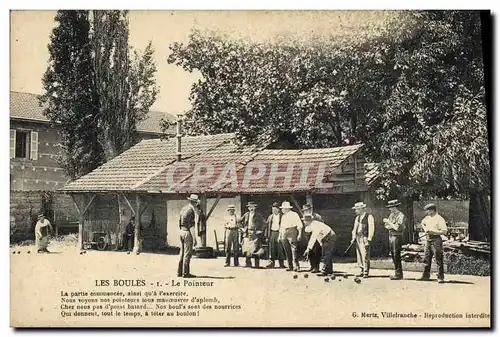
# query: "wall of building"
25 207
215 222
43 173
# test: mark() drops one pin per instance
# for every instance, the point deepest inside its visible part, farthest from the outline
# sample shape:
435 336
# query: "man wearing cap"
315 253
434 226
395 224
362 234
323 235
290 234
231 227
187 221
42 228
276 251
253 231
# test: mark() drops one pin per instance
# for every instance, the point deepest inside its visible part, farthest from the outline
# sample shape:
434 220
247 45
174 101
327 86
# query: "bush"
467 265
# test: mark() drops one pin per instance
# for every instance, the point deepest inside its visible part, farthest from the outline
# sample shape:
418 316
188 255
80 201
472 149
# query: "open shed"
151 181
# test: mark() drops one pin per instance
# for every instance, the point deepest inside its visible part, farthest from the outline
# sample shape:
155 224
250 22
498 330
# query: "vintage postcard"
250 169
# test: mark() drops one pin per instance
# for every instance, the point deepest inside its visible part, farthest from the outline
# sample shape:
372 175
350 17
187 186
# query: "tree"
435 139
95 91
332 89
68 83
397 91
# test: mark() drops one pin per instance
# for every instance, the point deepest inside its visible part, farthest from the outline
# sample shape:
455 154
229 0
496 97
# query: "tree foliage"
401 92
96 87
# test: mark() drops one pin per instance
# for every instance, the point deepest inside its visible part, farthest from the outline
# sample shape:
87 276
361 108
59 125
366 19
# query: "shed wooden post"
82 208
203 207
137 230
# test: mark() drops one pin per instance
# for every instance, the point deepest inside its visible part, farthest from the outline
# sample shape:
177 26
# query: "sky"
30 32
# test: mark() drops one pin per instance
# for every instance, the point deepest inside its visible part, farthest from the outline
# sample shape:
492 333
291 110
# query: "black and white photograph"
251 168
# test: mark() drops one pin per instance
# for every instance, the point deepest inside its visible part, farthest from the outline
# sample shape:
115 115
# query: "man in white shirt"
290 234
362 234
323 235
276 251
314 253
434 226
231 228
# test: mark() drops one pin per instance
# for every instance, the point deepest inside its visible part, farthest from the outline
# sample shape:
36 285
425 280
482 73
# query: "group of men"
284 230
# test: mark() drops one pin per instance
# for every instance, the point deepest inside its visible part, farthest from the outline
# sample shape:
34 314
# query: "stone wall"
25 207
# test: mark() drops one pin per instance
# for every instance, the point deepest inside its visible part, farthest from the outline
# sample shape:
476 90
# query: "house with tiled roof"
34 147
34 144
152 180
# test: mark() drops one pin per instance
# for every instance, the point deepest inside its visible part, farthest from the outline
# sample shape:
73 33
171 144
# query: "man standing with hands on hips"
362 234
434 226
187 221
395 223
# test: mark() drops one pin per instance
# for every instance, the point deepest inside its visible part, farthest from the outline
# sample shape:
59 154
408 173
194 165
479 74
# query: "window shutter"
13 143
34 145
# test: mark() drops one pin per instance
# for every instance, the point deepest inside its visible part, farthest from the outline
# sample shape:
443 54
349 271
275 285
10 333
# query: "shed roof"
26 106
151 166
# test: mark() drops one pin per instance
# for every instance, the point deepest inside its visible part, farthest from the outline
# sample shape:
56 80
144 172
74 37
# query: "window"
24 144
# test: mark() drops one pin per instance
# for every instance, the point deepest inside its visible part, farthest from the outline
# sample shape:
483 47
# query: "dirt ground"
267 298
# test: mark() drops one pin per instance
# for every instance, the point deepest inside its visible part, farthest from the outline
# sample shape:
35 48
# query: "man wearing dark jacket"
253 224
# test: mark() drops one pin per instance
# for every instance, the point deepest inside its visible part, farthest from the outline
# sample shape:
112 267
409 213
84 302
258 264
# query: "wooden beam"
203 206
146 206
118 227
81 219
213 206
129 204
295 202
88 204
137 222
76 204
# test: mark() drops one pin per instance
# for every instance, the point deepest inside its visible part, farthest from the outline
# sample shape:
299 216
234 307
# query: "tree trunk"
479 216
410 236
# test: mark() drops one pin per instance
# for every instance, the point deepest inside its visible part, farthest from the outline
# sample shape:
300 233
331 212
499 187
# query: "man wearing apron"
253 230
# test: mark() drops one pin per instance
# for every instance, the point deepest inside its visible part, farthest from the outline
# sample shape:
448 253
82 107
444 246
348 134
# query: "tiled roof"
26 106
148 167
143 162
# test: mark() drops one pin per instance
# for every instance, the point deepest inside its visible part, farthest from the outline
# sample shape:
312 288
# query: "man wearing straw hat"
434 226
395 224
42 228
290 234
276 251
362 234
323 235
253 231
314 253
187 221
231 228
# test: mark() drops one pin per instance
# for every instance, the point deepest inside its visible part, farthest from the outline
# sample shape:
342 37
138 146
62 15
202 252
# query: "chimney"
179 136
